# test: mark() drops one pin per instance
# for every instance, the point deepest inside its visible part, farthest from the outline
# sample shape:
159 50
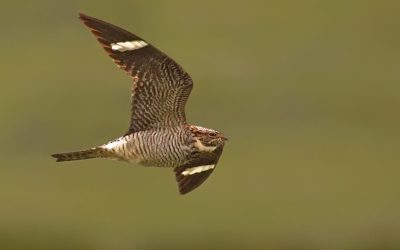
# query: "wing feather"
188 182
160 86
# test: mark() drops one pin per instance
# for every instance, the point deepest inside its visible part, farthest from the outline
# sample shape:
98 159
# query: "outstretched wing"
196 171
160 86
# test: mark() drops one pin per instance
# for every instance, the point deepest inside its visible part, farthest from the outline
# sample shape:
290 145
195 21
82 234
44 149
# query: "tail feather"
81 155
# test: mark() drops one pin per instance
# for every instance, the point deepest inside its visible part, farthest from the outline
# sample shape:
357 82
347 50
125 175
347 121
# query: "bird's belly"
156 149
164 156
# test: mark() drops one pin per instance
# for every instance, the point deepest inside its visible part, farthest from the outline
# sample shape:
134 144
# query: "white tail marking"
115 144
129 45
199 169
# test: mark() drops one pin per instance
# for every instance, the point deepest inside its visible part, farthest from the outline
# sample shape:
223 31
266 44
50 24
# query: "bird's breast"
159 147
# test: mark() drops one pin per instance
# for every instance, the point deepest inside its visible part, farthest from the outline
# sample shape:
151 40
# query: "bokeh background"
307 91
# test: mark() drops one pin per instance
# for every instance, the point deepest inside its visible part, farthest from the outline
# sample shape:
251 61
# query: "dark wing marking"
187 183
160 86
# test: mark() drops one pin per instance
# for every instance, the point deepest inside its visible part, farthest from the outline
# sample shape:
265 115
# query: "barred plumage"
96 152
159 134
163 147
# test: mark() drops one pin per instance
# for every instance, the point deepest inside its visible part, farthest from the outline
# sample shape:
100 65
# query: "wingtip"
183 192
56 156
83 17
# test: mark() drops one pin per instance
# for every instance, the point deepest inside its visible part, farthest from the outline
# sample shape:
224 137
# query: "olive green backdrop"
308 93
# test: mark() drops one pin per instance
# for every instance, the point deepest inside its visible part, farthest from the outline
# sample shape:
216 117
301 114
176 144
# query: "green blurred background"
307 92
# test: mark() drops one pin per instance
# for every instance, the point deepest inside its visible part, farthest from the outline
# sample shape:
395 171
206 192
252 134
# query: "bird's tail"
97 152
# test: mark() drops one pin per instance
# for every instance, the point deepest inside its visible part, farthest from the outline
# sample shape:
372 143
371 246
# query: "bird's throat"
202 148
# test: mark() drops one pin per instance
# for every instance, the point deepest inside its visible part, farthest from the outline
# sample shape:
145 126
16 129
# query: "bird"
159 134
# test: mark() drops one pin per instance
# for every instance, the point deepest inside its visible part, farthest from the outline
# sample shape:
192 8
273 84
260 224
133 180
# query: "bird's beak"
224 138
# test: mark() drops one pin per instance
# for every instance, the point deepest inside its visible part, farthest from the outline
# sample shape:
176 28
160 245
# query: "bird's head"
207 139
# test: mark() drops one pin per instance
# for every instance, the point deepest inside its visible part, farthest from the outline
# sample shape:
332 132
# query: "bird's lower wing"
192 174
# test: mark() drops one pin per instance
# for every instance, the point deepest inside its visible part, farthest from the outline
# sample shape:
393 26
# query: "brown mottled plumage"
159 134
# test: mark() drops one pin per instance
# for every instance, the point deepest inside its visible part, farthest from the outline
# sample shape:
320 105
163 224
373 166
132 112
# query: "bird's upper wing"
192 174
160 86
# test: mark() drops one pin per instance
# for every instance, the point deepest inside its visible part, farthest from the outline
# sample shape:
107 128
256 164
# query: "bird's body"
159 134
162 147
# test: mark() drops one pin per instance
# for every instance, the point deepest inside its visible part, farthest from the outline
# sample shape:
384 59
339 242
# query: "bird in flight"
158 134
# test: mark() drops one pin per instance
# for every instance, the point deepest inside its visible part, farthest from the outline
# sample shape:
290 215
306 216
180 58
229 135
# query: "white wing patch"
129 45
199 169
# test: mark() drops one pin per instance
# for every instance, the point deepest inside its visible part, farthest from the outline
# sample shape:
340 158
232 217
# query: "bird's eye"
213 134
